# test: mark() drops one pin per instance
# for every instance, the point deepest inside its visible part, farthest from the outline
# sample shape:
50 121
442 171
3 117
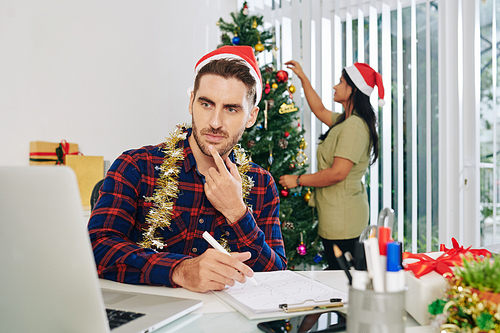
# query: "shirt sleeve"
115 230
353 140
259 232
335 115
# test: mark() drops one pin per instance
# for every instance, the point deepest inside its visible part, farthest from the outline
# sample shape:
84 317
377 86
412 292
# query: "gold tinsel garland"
166 189
465 311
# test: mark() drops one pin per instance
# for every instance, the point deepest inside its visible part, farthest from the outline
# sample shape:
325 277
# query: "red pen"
384 234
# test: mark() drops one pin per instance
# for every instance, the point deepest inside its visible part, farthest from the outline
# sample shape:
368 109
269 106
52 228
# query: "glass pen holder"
372 312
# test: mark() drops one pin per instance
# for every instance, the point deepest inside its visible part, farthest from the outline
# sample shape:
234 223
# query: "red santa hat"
244 53
365 78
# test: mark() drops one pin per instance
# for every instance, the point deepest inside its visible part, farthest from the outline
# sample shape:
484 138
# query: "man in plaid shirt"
224 102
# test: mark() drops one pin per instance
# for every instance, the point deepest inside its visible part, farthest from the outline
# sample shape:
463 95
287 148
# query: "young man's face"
220 113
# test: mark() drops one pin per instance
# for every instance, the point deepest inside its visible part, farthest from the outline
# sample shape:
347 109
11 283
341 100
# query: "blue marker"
395 275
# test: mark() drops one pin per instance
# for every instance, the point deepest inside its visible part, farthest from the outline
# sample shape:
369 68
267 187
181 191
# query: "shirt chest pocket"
175 234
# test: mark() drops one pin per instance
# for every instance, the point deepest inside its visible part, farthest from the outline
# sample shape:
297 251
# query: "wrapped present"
89 170
424 289
51 153
426 275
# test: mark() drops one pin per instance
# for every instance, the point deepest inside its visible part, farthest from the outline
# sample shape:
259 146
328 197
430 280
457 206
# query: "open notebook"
278 288
48 275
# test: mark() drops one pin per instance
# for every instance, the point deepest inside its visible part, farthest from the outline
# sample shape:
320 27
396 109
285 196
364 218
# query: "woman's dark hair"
361 103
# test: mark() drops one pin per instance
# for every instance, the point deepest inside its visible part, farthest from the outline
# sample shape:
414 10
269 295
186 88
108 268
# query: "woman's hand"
288 181
296 68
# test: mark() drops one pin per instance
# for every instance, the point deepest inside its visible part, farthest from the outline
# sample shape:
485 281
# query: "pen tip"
337 251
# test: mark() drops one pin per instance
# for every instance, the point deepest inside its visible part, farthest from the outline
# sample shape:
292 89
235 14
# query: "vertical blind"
398 38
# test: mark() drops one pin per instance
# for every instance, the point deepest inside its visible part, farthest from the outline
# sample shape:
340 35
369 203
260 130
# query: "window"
489 119
401 43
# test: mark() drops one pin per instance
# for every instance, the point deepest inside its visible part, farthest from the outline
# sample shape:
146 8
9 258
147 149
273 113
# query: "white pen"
219 248
377 270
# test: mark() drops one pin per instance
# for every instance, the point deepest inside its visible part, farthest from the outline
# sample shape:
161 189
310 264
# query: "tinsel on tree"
276 142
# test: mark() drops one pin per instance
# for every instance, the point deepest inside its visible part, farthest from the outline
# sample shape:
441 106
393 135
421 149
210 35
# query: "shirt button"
194 250
201 221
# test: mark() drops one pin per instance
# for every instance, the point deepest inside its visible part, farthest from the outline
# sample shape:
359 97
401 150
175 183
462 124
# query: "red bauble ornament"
282 76
287 134
285 192
267 89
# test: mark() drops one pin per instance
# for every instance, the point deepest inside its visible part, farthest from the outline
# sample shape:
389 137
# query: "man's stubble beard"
223 150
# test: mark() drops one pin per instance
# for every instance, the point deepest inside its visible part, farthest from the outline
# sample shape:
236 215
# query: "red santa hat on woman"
244 53
365 78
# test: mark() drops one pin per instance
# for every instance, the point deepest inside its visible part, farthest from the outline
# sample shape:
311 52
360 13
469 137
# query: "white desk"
215 316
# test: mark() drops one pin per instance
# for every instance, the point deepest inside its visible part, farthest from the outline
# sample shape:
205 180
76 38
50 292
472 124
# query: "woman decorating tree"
344 154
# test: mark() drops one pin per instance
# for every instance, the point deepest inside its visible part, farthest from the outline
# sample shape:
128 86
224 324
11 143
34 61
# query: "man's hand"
213 270
223 188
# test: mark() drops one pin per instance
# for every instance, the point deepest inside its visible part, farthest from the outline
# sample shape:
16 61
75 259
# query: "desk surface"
217 316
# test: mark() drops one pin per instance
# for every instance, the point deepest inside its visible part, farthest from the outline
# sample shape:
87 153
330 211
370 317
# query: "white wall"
109 75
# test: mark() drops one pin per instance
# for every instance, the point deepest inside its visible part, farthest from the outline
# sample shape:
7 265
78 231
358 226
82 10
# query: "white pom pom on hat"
366 78
242 52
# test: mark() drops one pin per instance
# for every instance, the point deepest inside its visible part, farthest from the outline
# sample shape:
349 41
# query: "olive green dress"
343 208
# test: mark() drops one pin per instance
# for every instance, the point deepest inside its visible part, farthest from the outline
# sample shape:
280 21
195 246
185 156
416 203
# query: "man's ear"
252 118
191 101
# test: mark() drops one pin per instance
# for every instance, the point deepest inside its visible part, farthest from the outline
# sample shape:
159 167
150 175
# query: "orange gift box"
51 153
89 170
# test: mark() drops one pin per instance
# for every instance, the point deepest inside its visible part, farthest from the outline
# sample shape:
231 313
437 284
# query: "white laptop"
48 277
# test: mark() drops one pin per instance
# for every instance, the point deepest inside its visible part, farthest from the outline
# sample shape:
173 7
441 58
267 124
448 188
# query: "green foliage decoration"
480 274
464 308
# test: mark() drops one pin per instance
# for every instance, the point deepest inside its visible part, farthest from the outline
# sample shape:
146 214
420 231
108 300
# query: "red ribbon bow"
441 264
60 153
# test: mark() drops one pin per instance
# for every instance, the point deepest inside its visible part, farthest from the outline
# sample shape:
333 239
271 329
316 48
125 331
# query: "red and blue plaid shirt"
118 220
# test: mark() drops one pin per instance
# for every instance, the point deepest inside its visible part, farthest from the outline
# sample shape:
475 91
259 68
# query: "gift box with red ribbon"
444 262
426 276
51 153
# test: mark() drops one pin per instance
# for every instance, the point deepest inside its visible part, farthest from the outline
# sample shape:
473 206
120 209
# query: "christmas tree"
276 142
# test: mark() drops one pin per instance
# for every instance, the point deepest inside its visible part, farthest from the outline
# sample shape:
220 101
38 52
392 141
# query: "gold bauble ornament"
254 24
259 47
217 23
307 196
291 88
275 85
303 144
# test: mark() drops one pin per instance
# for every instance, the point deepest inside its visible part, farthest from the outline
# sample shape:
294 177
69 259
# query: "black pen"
341 260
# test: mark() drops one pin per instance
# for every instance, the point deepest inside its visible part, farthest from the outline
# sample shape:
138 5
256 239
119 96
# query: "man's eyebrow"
208 100
233 106
205 99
